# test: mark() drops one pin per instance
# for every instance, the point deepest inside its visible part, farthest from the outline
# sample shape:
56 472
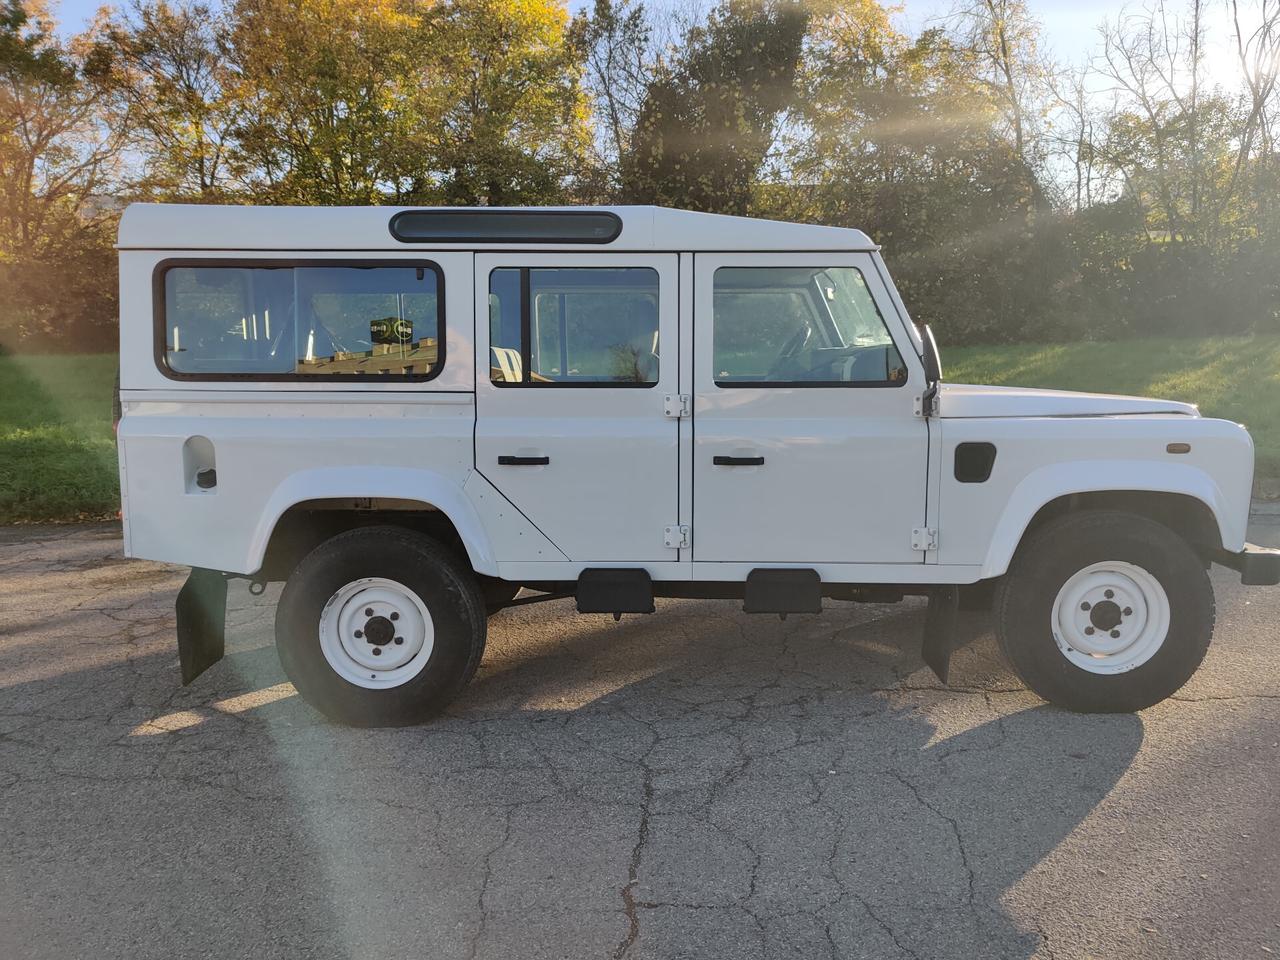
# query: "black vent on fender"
974 462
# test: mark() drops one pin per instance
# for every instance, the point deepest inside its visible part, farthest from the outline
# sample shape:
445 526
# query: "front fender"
400 483
1052 481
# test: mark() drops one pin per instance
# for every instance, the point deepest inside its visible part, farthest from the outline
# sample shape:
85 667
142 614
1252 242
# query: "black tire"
1049 557
447 589
978 597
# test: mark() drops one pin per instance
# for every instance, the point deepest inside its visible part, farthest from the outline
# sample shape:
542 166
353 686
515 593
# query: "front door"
574 355
807 448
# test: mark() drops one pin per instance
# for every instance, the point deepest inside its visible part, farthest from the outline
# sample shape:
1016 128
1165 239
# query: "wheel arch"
1183 498
419 499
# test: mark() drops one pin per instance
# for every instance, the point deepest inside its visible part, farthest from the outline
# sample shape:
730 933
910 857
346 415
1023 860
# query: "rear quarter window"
299 320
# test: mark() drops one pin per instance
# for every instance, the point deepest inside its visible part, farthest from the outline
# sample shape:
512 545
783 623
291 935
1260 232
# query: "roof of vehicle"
158 226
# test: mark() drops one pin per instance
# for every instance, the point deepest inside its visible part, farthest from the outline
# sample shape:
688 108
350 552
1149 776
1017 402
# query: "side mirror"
932 362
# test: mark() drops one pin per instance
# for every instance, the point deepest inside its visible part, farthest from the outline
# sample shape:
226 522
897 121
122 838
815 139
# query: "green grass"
57 452
58 460
1237 378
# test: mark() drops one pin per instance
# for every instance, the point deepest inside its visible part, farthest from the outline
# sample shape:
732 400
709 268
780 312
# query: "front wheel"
1105 612
380 626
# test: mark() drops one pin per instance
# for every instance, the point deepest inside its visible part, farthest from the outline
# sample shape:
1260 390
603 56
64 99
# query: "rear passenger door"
574 356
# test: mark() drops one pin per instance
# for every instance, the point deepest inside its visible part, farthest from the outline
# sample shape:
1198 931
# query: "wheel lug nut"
1128 611
1108 594
1089 631
399 640
1086 605
1115 634
395 616
368 611
359 634
377 651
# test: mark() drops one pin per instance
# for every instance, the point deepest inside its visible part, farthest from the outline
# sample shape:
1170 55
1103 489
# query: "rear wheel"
380 626
1105 612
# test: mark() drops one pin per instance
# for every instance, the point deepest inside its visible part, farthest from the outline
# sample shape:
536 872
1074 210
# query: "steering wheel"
795 343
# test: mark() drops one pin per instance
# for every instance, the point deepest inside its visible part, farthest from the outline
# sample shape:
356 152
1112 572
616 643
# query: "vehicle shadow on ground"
696 784
811 779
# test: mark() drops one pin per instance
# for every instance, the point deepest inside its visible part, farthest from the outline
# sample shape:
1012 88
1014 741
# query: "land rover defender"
415 417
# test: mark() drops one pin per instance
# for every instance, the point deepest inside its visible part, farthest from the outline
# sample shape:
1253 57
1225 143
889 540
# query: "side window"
579 326
276 321
807 326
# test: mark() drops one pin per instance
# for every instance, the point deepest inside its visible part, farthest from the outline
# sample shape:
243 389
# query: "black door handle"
509 461
738 461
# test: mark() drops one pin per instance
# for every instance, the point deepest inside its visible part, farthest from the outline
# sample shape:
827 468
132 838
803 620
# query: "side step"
614 590
782 591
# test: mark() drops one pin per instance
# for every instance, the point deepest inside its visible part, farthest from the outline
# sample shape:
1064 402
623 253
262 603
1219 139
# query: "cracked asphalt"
697 784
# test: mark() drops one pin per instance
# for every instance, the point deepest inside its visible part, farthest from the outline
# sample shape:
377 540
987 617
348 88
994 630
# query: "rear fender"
399 483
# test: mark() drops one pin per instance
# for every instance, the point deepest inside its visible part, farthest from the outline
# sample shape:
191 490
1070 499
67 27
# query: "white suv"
409 415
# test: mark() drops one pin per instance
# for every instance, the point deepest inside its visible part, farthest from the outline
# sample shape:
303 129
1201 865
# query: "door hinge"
677 536
677 405
925 405
924 538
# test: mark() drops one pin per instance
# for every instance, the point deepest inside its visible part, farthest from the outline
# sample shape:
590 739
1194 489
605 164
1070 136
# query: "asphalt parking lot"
696 784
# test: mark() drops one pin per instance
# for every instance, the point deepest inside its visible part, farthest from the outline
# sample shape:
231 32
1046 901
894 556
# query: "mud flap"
201 611
940 629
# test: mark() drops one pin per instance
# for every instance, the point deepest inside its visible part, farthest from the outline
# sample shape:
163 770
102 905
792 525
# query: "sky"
1070 29
1070 26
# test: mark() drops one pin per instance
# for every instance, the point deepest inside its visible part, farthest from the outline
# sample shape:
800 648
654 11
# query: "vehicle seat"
869 365
645 348
507 361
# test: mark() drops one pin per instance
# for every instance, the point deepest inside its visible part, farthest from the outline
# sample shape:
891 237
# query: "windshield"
844 290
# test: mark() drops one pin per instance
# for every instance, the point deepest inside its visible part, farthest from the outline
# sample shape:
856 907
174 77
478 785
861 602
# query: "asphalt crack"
950 821
474 945
629 902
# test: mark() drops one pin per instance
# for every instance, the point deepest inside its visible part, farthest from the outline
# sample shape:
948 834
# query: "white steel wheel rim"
1110 617
376 633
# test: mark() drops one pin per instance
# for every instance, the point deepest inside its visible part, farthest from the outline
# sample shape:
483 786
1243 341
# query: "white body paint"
849 475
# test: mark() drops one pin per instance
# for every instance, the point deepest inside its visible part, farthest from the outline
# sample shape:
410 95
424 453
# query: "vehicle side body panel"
858 475
270 455
1041 459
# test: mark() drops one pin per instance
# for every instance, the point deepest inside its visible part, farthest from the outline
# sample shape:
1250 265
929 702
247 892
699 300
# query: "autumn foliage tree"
58 160
514 114
1015 200
168 82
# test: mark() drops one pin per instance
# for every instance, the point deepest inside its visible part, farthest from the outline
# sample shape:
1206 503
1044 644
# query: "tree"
329 99
1258 53
1165 134
57 163
1161 240
1001 39
165 65
620 64
896 136
515 119
709 120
